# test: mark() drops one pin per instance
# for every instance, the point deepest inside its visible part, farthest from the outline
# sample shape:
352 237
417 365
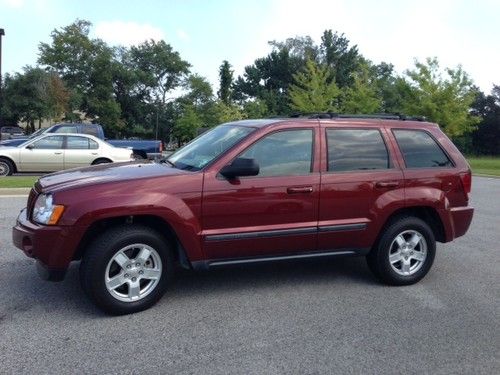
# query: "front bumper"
52 246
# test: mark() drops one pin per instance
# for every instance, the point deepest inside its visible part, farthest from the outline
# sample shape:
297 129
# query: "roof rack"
382 116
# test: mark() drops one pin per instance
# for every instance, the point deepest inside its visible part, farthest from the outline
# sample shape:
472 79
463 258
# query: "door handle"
387 184
94 153
299 190
57 153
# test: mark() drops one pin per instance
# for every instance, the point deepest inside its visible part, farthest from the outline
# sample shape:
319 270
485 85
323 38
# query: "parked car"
11 132
142 149
253 191
50 152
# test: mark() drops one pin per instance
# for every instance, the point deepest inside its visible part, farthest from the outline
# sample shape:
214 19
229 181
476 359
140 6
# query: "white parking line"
13 196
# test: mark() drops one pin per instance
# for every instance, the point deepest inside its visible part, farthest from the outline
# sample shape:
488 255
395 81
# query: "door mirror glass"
240 167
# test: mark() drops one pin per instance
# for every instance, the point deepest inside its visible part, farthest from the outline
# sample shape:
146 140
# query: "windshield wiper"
166 161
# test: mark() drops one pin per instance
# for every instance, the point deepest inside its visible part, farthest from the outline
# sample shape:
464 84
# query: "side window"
283 153
93 144
356 149
49 143
420 150
66 129
77 143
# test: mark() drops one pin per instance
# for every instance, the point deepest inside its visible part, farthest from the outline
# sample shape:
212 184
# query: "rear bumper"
52 246
456 221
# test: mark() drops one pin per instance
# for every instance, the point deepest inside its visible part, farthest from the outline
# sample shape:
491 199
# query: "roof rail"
382 116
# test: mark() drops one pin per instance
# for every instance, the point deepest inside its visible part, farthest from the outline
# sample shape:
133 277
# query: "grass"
485 165
18 181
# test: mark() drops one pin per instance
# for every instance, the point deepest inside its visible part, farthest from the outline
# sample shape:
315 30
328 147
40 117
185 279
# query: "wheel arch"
425 213
102 159
157 223
9 160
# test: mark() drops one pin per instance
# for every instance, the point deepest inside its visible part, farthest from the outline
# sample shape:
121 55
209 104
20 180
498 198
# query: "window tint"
49 143
77 143
93 145
356 149
420 150
89 129
283 153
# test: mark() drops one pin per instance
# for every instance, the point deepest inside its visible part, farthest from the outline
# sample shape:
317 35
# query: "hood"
104 173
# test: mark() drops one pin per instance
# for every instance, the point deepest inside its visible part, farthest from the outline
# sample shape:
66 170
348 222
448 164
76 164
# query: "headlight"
45 212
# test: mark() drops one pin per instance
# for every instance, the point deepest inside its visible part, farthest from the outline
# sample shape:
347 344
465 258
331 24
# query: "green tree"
446 101
486 138
86 66
312 91
187 125
225 82
34 95
362 96
342 59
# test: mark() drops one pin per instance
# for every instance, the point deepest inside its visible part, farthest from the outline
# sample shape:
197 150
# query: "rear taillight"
466 179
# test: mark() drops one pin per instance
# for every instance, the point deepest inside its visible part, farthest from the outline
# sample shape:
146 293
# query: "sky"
207 32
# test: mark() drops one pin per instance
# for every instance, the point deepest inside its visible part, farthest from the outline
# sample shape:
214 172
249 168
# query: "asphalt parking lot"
294 318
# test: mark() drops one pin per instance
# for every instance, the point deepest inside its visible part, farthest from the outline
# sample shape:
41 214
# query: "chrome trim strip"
260 234
342 227
275 258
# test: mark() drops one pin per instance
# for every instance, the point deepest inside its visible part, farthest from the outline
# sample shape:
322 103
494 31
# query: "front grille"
31 202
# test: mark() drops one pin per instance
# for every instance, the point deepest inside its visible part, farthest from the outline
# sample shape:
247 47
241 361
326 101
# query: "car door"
272 213
42 155
80 151
360 183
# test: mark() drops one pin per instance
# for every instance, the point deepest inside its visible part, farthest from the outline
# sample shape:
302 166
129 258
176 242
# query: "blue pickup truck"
141 149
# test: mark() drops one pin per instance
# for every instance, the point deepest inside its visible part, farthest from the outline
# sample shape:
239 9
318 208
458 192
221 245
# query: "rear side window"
420 150
66 129
356 149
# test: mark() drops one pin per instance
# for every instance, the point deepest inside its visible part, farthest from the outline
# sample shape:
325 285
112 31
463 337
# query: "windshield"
208 146
37 133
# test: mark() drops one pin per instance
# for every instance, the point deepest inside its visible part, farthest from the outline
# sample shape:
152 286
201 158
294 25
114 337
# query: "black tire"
101 161
138 156
378 258
94 268
6 167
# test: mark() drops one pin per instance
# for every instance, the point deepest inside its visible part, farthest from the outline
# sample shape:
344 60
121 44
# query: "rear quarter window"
420 150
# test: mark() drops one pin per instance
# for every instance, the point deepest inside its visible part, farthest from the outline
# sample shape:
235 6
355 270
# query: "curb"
15 191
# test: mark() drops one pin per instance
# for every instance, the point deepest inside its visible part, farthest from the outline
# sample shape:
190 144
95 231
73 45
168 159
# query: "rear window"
420 150
356 149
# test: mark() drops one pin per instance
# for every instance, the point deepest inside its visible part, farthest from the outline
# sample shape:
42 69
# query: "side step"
207 264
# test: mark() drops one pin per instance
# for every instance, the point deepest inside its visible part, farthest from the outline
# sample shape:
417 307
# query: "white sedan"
54 152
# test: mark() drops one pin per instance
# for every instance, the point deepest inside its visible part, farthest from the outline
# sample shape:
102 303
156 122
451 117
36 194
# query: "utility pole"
2 33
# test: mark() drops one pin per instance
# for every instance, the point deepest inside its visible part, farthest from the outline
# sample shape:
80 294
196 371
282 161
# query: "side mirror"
30 146
240 167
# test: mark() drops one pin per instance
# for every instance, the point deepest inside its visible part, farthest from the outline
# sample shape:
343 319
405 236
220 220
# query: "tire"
114 268
6 167
138 156
400 258
101 161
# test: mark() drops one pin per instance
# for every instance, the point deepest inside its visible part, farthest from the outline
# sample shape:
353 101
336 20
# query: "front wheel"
126 269
404 253
6 167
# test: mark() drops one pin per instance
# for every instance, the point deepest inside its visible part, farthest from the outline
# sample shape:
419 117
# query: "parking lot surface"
328 316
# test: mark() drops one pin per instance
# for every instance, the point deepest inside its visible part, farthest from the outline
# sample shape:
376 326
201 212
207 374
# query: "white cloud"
127 33
16 4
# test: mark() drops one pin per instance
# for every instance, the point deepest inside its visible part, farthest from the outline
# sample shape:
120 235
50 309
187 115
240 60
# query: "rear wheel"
404 253
6 167
126 269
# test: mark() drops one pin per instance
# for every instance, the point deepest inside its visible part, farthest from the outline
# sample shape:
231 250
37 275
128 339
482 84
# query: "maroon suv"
253 191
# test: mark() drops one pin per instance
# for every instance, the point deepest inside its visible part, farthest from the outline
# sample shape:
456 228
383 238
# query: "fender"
181 211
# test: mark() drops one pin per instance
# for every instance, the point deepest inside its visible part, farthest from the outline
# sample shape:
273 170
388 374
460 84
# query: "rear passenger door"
80 151
360 183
